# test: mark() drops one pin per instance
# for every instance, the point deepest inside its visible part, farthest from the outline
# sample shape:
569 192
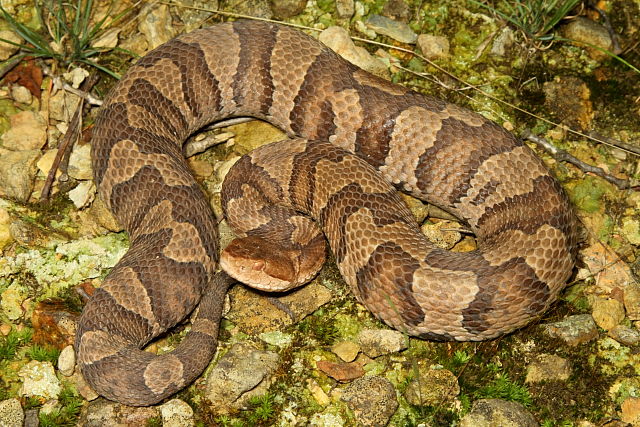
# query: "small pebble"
631 410
498 412
574 330
318 393
346 350
287 8
342 372
433 46
67 361
396 30
376 342
11 413
548 367
372 400
21 94
176 413
632 300
432 387
625 335
345 8
39 380
607 312
584 30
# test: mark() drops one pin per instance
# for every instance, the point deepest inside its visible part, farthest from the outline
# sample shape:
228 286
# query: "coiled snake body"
429 148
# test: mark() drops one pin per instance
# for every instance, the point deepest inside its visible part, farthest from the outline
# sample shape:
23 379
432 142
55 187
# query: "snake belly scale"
426 147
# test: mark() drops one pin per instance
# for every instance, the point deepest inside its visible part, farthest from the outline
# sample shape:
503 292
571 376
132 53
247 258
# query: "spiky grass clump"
70 36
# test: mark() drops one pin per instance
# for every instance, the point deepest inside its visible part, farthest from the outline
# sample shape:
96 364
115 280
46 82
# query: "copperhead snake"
429 148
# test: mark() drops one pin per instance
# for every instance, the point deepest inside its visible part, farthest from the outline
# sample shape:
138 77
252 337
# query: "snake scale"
426 147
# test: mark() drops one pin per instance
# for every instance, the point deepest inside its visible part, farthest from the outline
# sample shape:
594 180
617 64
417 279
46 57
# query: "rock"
419 209
377 342
250 135
497 412
610 270
39 380
631 410
76 76
277 338
568 98
318 393
574 330
54 324
346 350
17 171
11 301
345 8
625 335
80 163
631 230
584 30
548 367
5 229
21 94
242 372
341 371
176 413
631 300
103 216
200 168
433 387
28 131
67 361
502 42
5 329
372 400
83 194
433 46
255 8
339 41
396 30
62 106
397 9
154 21
83 387
7 49
196 12
108 39
136 43
11 413
442 233
31 417
607 312
326 420
254 314
287 8
102 412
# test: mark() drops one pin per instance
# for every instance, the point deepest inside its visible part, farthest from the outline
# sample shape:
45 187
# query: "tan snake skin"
427 147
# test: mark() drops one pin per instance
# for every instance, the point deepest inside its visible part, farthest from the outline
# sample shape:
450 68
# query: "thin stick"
563 156
73 131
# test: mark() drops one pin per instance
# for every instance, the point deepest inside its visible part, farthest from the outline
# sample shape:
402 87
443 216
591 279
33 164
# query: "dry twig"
563 156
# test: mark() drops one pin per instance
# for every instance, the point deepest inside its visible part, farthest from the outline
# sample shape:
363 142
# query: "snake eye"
258 265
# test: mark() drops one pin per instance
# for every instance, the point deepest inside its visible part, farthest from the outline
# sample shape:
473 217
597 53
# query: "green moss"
154 422
587 194
10 344
67 414
502 387
43 354
261 408
318 326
